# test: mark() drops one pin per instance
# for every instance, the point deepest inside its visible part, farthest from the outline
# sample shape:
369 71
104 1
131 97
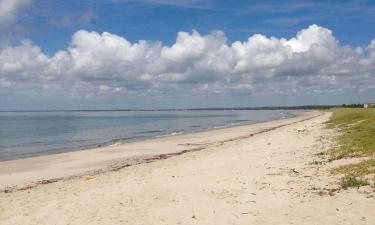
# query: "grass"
358 169
349 181
357 127
356 139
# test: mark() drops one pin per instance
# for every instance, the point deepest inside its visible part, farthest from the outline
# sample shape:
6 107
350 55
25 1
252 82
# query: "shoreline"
15 175
269 173
125 140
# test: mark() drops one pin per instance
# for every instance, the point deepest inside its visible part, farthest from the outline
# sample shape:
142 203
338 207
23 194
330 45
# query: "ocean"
25 134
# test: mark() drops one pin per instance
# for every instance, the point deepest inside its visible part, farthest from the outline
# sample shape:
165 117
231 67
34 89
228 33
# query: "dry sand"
266 173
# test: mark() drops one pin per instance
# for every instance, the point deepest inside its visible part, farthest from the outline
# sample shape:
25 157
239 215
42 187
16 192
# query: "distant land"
195 109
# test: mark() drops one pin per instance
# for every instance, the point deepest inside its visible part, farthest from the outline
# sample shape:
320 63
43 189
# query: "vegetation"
357 138
357 127
352 181
352 106
358 169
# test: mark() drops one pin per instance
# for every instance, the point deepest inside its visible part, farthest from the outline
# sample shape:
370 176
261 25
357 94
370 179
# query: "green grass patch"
357 127
358 169
350 181
356 138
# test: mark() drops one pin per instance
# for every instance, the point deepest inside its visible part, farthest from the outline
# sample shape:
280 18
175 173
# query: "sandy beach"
265 173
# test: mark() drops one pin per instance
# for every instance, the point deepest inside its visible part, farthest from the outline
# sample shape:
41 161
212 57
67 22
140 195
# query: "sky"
117 54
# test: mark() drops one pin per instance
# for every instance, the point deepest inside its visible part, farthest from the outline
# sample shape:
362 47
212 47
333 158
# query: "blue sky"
52 23
180 54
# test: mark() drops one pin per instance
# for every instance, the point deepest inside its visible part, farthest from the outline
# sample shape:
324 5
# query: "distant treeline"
287 107
352 106
302 107
273 107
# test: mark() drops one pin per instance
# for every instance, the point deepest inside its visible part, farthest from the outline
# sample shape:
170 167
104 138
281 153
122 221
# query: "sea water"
25 134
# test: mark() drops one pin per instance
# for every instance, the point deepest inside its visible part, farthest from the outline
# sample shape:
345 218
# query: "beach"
264 173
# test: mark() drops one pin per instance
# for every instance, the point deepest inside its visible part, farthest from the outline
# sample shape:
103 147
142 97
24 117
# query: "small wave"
115 144
171 134
150 132
218 126
176 133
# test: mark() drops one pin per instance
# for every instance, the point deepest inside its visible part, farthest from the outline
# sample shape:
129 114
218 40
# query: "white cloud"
97 65
10 8
314 35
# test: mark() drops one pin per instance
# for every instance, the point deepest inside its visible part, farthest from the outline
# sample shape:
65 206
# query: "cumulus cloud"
9 10
103 64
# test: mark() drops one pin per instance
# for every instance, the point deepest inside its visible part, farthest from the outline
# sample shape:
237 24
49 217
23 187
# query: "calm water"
24 134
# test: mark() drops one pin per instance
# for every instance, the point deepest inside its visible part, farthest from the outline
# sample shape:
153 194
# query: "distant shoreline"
302 107
128 139
71 163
